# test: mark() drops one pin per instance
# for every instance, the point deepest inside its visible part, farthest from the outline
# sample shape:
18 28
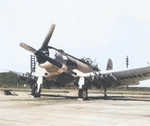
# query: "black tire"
82 93
37 94
33 90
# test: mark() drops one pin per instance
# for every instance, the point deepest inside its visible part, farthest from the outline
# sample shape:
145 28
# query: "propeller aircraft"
63 68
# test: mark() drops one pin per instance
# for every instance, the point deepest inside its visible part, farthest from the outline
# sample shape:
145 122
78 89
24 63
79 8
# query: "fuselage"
57 62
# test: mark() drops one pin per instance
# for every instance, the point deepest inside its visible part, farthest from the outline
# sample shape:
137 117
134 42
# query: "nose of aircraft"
44 47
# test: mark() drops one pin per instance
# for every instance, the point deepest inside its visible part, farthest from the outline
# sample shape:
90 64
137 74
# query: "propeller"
45 43
27 47
48 36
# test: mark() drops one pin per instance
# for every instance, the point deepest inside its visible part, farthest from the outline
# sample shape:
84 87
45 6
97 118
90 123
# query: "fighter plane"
63 68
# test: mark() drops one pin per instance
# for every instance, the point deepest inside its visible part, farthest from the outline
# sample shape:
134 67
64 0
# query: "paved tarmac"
53 109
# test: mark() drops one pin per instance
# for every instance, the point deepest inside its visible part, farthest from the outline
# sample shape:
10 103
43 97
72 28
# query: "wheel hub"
84 94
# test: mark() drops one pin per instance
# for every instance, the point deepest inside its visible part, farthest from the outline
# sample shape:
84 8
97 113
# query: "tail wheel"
82 93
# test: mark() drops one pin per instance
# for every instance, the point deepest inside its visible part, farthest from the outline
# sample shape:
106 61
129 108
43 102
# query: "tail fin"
109 65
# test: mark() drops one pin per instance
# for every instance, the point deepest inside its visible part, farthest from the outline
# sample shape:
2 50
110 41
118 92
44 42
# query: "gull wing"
126 77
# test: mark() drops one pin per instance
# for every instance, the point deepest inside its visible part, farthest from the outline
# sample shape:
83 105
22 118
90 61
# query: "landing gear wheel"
33 90
105 93
37 93
82 93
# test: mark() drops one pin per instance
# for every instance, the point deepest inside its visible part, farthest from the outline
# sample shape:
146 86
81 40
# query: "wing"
126 77
17 73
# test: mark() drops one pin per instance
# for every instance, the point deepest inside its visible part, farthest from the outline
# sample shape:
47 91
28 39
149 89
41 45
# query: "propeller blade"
48 36
27 47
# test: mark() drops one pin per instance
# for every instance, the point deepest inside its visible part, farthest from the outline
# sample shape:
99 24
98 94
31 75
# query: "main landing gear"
105 93
82 93
35 91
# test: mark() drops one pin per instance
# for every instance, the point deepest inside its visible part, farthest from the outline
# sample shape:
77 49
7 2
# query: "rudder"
109 65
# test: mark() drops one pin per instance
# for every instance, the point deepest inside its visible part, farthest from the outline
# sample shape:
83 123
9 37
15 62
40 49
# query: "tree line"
10 80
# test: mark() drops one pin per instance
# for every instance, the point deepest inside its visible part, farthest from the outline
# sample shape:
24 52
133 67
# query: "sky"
96 29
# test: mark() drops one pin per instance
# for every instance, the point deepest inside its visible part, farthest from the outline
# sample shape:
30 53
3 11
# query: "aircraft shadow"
115 98
58 96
